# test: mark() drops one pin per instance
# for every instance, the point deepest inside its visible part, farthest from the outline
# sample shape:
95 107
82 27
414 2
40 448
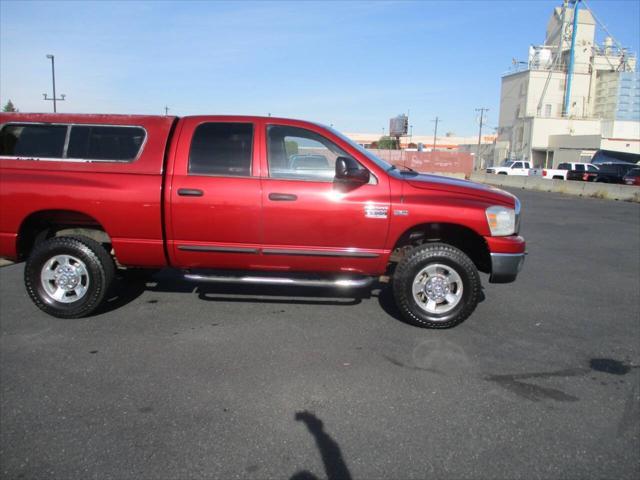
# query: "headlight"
501 220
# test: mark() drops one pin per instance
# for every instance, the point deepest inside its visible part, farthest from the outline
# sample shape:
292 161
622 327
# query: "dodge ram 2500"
241 199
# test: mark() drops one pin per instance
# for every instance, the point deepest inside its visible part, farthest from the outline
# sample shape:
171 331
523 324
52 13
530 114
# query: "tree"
9 107
387 143
291 147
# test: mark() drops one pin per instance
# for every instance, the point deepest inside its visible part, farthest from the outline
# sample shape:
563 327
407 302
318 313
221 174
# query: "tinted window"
634 172
579 167
591 168
564 166
40 141
221 149
517 165
299 154
105 143
603 156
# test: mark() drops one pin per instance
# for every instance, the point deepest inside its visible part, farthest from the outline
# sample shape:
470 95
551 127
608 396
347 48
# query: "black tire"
99 269
414 263
502 173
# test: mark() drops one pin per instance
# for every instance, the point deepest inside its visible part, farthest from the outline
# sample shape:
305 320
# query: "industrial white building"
571 97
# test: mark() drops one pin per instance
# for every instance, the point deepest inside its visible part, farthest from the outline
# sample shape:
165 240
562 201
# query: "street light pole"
435 133
478 159
53 78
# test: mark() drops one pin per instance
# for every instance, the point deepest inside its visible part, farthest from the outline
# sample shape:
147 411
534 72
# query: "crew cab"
564 168
242 200
606 173
512 168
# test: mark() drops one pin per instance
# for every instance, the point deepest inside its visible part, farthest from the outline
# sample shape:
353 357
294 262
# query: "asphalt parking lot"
179 381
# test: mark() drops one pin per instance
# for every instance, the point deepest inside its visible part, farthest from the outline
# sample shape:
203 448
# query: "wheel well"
463 238
40 226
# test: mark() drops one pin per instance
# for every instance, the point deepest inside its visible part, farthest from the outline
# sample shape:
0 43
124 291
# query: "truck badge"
375 211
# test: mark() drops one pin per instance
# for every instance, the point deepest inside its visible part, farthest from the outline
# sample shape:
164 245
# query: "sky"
350 64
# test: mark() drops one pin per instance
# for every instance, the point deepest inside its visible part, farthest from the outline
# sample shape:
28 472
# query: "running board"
359 282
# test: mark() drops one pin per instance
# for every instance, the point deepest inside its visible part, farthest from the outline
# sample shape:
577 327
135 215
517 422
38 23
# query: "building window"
547 110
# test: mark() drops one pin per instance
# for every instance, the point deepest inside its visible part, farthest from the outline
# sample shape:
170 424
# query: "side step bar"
357 282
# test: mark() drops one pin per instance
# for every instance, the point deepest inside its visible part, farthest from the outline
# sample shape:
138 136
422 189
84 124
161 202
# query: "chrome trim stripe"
317 253
203 248
300 282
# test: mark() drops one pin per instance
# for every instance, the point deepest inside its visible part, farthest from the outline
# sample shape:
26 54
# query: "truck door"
214 217
518 168
311 222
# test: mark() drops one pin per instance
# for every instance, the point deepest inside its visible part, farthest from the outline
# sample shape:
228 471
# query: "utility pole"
481 110
53 77
435 133
166 110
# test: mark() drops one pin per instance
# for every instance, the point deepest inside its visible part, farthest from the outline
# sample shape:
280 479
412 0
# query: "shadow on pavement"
334 465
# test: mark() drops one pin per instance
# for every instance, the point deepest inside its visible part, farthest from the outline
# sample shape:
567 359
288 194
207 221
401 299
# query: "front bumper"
505 266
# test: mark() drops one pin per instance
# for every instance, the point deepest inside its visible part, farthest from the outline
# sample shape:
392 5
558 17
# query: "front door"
311 222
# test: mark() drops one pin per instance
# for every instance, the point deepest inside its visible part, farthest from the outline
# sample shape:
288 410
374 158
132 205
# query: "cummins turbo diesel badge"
375 211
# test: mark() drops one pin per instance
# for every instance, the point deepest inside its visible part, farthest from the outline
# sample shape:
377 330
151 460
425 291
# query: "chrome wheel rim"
64 278
437 288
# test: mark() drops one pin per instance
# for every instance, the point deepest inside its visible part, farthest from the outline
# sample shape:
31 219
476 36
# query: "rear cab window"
221 149
72 142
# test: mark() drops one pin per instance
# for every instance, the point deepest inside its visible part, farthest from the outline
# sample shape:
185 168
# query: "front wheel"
68 277
436 286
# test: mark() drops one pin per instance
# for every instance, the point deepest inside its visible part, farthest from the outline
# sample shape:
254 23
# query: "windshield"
508 163
375 159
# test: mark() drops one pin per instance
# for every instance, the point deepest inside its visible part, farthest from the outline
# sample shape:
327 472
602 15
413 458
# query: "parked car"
607 173
512 168
563 169
228 199
632 177
609 156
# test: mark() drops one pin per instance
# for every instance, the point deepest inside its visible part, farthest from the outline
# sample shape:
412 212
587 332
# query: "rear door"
214 194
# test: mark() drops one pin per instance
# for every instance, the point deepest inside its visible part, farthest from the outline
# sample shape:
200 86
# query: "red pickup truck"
240 199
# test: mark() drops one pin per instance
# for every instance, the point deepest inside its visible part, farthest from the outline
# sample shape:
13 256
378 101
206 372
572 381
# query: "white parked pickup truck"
560 173
512 168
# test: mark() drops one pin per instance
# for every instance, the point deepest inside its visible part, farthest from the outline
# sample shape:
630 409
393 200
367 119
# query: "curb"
627 193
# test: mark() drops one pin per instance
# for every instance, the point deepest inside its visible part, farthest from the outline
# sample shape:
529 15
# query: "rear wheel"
436 286
68 277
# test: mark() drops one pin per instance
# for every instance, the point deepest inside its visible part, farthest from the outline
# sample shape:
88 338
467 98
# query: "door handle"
283 197
190 192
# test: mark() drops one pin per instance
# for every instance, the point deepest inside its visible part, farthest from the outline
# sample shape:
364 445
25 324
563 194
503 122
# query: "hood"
464 187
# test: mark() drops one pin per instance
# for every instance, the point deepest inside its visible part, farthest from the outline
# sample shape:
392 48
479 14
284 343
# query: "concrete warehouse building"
571 97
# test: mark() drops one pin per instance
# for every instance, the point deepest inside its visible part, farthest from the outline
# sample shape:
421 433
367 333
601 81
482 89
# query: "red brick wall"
430 162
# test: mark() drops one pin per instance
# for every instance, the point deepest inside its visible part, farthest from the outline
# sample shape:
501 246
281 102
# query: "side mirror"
350 171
